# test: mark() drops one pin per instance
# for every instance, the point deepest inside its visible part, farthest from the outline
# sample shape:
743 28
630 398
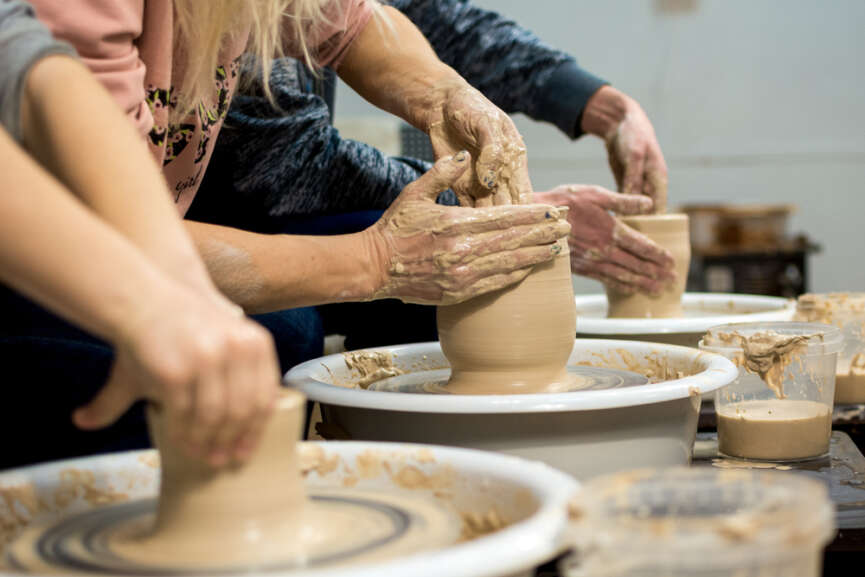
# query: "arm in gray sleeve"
23 42
509 64
292 162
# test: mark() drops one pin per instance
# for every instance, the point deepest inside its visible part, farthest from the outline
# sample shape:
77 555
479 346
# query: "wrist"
428 109
375 259
604 111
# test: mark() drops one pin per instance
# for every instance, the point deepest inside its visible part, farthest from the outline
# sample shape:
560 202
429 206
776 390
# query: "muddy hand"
632 148
605 249
466 120
434 254
212 372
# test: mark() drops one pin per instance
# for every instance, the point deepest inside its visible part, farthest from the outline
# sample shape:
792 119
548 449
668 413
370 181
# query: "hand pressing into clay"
632 149
434 254
466 120
212 372
603 248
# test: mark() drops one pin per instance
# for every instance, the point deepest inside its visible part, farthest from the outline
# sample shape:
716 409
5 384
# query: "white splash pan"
584 433
514 550
702 312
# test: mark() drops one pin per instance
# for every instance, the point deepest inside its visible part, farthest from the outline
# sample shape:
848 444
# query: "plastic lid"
697 519
822 339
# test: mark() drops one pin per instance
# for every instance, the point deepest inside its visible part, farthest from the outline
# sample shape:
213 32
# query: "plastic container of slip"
780 406
699 523
847 312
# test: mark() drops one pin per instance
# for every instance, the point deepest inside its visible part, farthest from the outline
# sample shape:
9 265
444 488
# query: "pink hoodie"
129 45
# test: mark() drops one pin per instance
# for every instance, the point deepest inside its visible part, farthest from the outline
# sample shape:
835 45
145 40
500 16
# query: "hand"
466 120
632 149
434 254
212 371
605 249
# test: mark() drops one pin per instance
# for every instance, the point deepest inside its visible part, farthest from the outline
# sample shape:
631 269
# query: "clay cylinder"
239 514
671 232
515 340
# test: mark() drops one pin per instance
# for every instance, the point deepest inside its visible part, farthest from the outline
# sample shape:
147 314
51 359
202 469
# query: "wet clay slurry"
671 232
516 340
774 429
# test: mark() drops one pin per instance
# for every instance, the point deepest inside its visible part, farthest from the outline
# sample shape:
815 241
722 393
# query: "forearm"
264 273
396 69
55 251
509 64
81 136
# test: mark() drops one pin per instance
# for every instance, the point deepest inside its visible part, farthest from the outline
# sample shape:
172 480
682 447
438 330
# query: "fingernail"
490 179
460 156
556 248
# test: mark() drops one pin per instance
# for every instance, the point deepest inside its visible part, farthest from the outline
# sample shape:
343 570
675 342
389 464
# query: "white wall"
752 100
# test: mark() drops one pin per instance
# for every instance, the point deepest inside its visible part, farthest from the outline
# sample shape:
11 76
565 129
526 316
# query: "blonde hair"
202 28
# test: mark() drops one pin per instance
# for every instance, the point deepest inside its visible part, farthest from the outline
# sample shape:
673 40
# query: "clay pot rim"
312 378
784 310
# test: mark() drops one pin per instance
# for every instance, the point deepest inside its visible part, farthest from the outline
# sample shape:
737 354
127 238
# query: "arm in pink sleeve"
330 41
105 34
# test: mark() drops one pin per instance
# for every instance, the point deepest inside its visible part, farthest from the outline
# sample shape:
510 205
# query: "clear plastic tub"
847 312
780 406
701 522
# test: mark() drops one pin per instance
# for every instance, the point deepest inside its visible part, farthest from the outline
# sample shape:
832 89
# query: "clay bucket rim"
312 378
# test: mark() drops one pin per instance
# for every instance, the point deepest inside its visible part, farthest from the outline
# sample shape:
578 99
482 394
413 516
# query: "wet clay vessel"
516 340
671 232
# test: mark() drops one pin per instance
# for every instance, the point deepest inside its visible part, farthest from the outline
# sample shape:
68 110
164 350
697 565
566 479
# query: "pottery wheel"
586 378
108 540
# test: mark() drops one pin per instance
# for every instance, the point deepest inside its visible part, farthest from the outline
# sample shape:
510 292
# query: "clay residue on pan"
150 459
370 366
655 366
479 524
81 483
766 354
21 504
314 458
411 477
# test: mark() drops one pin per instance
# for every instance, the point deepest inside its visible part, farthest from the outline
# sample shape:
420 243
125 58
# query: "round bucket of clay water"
847 312
780 406
699 522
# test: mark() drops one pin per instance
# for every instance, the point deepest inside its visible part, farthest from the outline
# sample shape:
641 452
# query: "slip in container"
793 420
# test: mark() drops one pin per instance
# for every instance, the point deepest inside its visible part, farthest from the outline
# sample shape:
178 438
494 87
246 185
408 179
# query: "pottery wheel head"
586 378
113 540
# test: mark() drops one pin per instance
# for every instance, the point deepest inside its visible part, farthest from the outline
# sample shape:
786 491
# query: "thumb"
444 174
626 204
109 404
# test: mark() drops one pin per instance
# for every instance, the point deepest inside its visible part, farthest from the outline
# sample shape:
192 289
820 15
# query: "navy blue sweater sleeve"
293 162
509 64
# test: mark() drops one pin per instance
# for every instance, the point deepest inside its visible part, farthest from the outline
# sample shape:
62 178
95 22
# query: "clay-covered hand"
433 254
632 148
605 249
212 372
466 120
